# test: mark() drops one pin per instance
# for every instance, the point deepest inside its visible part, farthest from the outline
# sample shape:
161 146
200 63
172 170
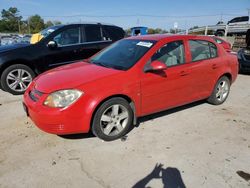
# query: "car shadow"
168 112
170 177
77 136
245 73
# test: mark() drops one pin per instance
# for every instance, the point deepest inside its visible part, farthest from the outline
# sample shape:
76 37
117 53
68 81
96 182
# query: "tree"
11 20
56 22
174 31
156 31
194 27
51 23
36 23
48 24
151 31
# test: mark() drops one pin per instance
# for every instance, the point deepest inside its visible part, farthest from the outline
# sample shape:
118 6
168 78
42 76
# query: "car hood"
5 48
71 76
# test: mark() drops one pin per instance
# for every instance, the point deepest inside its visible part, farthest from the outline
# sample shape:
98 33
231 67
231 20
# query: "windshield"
49 30
123 54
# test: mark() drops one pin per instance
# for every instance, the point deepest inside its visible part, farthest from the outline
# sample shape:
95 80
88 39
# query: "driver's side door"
67 51
167 88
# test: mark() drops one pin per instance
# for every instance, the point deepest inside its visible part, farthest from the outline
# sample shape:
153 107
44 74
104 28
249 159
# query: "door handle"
184 73
214 66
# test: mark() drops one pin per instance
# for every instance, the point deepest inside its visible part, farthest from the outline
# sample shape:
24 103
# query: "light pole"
19 27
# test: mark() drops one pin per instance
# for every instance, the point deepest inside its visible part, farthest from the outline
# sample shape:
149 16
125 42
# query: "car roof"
158 37
88 23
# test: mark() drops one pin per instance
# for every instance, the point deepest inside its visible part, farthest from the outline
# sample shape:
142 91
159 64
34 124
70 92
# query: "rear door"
92 39
204 64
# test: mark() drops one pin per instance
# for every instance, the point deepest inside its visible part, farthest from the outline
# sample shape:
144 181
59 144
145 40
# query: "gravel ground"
198 145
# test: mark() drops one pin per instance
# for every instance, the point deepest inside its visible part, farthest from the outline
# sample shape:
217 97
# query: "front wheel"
16 78
220 92
112 119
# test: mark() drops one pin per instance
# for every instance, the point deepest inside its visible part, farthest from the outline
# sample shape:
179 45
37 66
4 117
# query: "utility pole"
138 22
29 25
19 27
221 15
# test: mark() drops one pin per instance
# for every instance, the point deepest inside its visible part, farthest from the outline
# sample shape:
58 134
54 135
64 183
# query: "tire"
112 119
220 33
220 91
240 69
16 78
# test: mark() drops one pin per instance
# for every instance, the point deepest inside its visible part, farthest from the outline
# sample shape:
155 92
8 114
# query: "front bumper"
58 121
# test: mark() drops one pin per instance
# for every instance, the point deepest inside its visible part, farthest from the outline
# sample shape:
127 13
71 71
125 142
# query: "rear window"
201 49
114 33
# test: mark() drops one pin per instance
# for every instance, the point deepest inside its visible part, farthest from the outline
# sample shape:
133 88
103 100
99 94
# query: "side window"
93 33
244 18
171 54
233 20
218 41
115 33
213 50
201 50
68 37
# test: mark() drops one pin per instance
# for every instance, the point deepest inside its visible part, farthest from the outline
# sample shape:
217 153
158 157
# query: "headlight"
62 98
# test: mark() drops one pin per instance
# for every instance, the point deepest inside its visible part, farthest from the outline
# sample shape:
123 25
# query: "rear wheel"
220 92
112 119
16 78
220 33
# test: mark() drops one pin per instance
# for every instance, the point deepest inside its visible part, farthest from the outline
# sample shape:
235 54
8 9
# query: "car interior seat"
168 57
200 53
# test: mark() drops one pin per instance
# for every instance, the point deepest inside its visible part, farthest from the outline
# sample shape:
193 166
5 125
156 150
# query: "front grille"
35 95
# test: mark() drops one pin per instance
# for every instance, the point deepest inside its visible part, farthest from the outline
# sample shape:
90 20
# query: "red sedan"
226 45
133 77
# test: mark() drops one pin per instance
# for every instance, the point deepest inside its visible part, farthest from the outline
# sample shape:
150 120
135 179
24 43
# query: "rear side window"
93 33
201 50
238 19
244 18
114 33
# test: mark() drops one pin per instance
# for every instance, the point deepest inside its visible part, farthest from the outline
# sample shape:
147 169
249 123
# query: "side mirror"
52 44
155 66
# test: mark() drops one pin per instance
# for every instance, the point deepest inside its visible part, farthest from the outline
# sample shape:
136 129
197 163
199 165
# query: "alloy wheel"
18 80
114 119
222 90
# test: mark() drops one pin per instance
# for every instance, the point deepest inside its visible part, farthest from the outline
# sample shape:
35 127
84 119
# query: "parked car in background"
244 56
24 39
236 26
7 40
244 60
59 45
226 45
239 20
131 78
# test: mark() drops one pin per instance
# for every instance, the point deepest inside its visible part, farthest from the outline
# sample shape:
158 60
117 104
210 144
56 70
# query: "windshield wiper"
101 64
116 67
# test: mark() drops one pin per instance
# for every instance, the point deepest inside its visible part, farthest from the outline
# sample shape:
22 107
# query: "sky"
162 14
